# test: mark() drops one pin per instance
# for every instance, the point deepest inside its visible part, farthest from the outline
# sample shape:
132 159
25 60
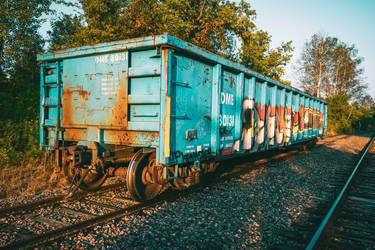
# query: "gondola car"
157 110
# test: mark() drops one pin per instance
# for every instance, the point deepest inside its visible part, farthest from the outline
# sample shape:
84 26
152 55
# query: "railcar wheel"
139 178
93 179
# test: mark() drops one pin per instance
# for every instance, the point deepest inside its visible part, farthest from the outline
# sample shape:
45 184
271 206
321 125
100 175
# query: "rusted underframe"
120 137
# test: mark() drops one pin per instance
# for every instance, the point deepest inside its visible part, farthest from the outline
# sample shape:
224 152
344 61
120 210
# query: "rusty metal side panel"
113 98
119 137
95 91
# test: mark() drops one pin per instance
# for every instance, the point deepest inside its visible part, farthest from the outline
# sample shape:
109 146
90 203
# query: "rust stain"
123 137
70 105
207 117
207 71
119 110
119 137
232 82
75 134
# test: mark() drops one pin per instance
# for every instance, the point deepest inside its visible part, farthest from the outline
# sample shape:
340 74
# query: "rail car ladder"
50 120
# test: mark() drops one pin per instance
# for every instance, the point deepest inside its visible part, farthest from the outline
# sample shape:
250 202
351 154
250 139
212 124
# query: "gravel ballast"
249 210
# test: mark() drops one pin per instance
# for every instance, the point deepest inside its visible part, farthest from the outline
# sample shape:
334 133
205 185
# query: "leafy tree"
339 114
62 29
19 78
19 23
19 44
315 63
257 55
220 26
330 67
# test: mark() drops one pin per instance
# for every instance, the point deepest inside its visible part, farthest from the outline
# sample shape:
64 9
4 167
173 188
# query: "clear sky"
351 21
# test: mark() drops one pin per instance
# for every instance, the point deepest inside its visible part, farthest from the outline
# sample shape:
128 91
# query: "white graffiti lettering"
226 120
101 59
227 98
112 58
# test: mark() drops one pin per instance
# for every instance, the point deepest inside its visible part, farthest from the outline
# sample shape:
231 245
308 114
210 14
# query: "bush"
19 142
348 118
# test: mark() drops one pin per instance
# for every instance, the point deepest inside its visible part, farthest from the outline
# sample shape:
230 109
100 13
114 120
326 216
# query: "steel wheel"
139 179
93 180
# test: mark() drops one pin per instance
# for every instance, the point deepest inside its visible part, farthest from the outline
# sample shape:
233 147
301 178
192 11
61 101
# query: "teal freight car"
157 110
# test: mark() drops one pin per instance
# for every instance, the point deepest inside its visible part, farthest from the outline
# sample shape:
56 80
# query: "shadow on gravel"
254 209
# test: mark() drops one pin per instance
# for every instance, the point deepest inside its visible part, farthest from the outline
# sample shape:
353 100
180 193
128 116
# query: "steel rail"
77 227
171 196
20 208
339 198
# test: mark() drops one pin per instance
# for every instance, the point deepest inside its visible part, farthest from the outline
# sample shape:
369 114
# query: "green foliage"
338 114
344 117
19 70
62 30
18 142
220 26
258 56
19 23
19 78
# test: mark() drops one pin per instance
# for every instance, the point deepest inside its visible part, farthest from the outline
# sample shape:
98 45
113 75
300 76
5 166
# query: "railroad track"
350 221
24 207
109 212
345 220
47 215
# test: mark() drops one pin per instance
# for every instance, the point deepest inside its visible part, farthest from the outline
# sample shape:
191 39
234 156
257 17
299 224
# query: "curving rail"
317 237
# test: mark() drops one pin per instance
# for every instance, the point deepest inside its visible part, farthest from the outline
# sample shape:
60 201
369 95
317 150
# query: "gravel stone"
247 211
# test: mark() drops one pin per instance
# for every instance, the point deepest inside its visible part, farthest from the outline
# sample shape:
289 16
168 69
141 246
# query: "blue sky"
352 21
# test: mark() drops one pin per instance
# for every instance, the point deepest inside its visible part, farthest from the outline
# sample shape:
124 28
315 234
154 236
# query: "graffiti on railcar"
280 124
247 117
320 122
253 120
295 121
264 125
301 118
309 118
261 110
180 157
288 124
271 124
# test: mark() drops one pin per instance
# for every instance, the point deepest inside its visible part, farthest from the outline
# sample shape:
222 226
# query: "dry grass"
28 179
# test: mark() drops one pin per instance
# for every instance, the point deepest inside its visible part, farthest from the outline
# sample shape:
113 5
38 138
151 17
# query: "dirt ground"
29 179
35 178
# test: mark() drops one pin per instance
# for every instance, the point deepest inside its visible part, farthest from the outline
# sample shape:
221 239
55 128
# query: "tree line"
329 68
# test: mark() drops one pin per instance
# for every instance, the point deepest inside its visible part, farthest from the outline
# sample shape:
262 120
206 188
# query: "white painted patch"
246 140
236 145
288 121
272 141
248 104
271 127
279 137
199 148
260 135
